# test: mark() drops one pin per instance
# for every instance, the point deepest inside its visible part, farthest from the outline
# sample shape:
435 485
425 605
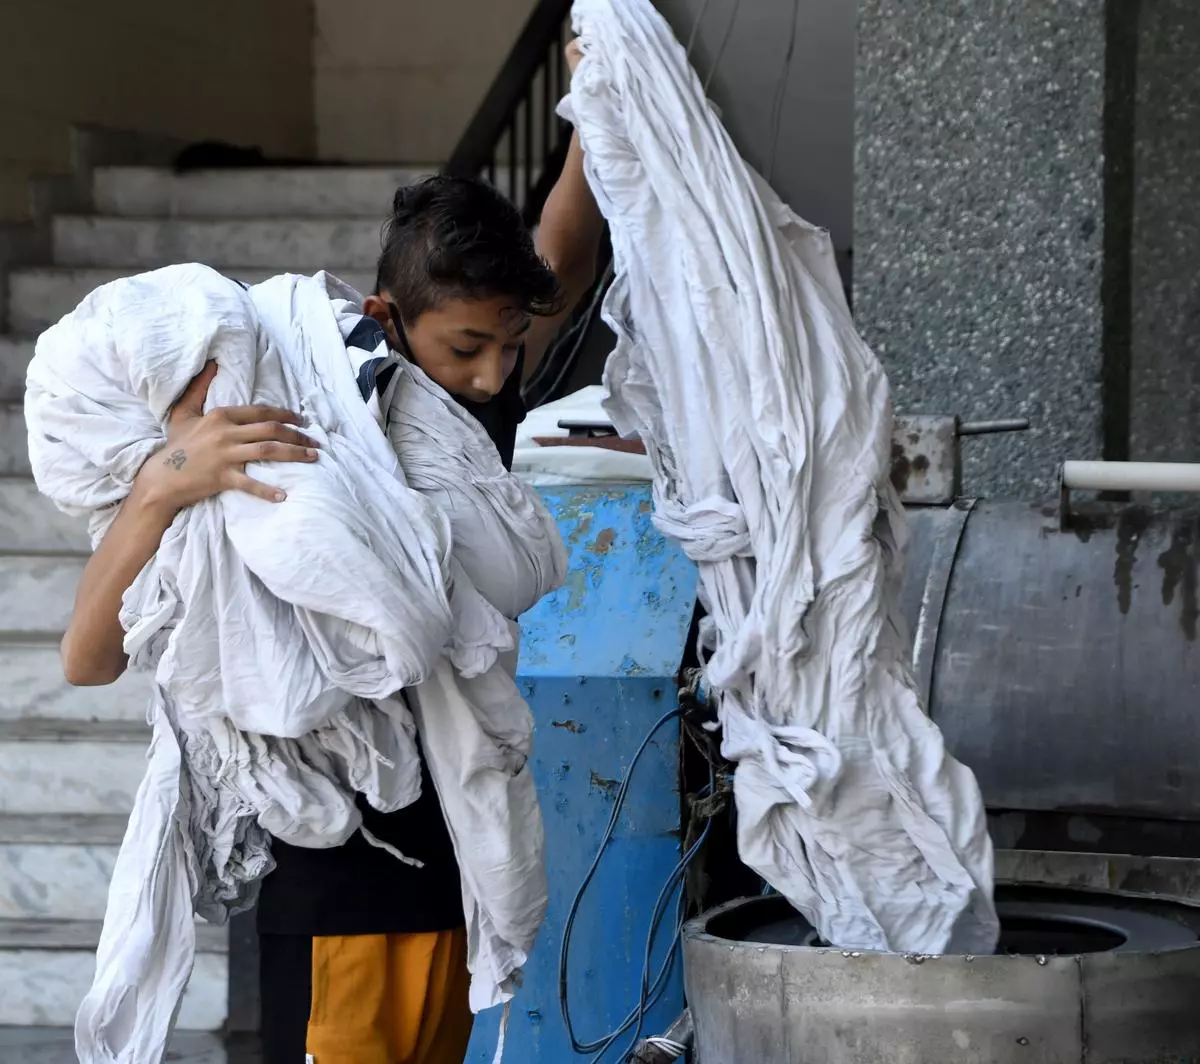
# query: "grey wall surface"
1027 228
814 158
1166 247
993 204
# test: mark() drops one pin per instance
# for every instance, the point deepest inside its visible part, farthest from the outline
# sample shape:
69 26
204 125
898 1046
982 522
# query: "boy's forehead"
485 318
512 331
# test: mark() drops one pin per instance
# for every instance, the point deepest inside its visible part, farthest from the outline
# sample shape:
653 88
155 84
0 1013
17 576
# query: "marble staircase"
71 759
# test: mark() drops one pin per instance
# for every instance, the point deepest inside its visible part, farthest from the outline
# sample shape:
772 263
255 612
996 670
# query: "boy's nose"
488 377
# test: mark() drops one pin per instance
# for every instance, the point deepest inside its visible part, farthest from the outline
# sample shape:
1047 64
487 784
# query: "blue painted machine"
599 661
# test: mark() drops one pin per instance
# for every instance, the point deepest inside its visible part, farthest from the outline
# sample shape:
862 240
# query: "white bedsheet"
768 424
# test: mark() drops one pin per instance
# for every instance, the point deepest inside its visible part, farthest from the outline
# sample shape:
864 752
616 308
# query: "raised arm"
204 454
568 239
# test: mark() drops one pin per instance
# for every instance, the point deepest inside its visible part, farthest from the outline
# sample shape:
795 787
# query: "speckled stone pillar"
993 219
1166 244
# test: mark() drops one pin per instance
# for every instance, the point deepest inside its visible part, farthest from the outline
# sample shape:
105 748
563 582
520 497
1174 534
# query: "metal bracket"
927 458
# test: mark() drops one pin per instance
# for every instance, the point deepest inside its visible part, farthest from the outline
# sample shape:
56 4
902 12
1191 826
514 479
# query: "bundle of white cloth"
768 424
281 635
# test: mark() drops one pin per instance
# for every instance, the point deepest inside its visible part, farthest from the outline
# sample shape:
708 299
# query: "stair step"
32 687
31 522
85 935
298 245
67 767
38 298
313 192
58 868
43 988
14 443
43 730
56 1045
41 830
15 353
37 594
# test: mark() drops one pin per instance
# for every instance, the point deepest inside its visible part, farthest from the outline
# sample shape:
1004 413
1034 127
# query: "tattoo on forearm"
176 459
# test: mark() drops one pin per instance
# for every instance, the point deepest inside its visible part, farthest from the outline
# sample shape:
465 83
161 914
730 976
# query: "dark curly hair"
458 238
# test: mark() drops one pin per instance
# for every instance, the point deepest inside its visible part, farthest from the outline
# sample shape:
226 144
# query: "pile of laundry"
767 422
279 635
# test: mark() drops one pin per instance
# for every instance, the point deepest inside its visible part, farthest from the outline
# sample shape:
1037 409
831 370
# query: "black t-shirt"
360 889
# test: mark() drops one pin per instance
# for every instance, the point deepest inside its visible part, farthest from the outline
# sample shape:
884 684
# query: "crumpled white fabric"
280 635
768 423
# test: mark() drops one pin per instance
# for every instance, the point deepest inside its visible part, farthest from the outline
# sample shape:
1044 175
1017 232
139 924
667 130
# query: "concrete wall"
1165 370
989 222
398 80
814 159
234 70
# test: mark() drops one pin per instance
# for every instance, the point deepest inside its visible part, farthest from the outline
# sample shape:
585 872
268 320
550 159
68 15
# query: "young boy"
364 956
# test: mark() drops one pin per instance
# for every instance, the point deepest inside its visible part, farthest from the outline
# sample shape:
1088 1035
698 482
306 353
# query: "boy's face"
469 346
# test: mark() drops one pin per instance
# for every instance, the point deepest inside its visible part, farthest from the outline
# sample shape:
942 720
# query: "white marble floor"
42 1045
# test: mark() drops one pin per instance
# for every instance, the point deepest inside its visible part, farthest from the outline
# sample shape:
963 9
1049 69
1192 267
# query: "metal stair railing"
516 139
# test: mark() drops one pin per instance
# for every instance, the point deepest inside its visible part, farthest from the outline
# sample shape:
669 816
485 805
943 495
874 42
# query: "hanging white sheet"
768 424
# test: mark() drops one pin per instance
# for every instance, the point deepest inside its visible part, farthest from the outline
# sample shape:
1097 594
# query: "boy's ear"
377 307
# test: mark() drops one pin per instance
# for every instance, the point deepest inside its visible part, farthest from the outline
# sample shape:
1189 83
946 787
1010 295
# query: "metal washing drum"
1088 976
1057 650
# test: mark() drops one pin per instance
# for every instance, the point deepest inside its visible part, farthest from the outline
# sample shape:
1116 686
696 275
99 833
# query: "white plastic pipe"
1131 476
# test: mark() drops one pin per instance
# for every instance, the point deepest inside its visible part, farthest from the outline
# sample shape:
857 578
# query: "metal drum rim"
696 931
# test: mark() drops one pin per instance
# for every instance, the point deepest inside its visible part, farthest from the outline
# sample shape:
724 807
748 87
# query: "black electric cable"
781 92
569 925
691 41
737 6
650 990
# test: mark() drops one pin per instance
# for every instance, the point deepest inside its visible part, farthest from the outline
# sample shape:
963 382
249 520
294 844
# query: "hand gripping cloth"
768 424
280 636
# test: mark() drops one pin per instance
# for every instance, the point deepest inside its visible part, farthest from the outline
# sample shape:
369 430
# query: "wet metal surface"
764 1004
1162 877
1066 670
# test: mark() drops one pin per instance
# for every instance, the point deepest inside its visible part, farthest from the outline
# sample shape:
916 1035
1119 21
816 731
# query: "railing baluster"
528 183
564 35
548 104
512 158
564 74
536 143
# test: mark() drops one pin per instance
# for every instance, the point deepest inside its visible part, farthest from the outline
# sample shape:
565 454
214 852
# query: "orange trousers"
389 999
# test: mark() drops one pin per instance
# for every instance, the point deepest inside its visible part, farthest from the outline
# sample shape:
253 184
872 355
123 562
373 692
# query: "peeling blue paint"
629 667
633 598
607 646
